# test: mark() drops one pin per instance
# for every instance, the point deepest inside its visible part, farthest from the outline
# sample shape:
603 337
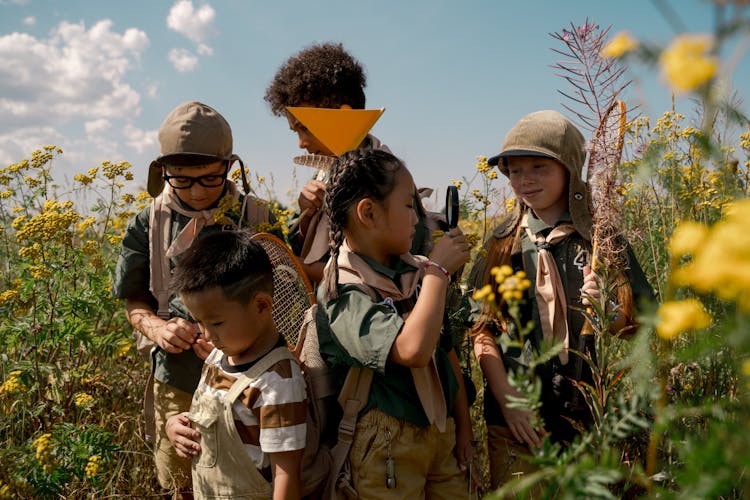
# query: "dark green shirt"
361 332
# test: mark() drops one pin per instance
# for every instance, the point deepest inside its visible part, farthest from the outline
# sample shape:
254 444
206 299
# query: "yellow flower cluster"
123 349
8 296
227 205
720 261
621 44
456 183
13 383
686 64
92 467
83 400
681 316
113 170
482 165
509 285
51 224
43 446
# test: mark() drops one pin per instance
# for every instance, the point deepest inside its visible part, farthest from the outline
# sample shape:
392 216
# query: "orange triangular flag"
340 130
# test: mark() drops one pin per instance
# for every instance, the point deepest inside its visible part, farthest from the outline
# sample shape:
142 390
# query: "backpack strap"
352 398
159 228
254 211
260 367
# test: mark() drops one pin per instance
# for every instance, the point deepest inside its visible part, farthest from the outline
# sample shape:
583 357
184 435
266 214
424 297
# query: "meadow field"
671 404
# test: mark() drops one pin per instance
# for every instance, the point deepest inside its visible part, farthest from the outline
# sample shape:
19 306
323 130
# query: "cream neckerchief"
550 294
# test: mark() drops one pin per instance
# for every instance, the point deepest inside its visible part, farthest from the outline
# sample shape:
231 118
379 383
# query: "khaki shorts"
424 463
506 456
172 471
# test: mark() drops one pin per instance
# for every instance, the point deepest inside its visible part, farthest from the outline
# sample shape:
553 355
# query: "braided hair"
355 175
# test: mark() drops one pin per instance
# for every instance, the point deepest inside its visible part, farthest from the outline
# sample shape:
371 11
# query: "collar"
399 267
537 225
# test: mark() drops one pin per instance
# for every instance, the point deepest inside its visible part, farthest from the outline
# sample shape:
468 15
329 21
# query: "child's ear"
263 302
365 212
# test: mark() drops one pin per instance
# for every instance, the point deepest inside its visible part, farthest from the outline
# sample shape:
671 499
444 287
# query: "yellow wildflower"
43 446
13 383
83 179
85 224
92 467
484 294
746 370
685 62
482 165
501 272
621 44
8 296
456 183
722 264
83 400
677 317
687 238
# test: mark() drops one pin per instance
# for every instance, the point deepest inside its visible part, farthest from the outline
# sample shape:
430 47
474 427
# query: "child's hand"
176 335
451 251
311 196
519 423
464 447
202 347
184 438
590 286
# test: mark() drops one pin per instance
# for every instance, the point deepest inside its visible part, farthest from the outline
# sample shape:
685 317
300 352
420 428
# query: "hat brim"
189 159
494 161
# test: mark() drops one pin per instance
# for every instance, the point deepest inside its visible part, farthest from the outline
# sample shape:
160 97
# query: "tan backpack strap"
260 367
254 211
352 398
159 227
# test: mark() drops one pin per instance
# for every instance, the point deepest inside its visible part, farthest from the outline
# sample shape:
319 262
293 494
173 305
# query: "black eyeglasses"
185 182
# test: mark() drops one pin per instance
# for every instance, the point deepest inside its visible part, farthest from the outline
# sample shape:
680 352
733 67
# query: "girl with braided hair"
382 310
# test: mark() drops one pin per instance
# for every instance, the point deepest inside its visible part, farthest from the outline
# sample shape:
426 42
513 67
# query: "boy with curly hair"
325 75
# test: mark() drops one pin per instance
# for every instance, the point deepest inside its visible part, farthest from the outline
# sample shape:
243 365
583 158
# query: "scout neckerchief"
550 294
353 269
159 232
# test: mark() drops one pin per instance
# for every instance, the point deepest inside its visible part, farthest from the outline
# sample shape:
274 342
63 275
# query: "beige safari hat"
549 134
192 134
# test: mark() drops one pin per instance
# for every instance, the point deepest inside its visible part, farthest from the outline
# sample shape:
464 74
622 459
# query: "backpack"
325 470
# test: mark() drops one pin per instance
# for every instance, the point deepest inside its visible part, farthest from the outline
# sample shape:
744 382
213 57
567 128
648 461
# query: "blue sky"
97 77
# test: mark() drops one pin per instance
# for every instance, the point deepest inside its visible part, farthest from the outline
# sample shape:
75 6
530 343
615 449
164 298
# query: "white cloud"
53 89
29 21
76 73
183 60
140 140
152 90
205 50
196 24
97 126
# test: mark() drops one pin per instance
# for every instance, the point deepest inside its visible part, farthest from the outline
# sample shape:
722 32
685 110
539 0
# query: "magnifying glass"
451 207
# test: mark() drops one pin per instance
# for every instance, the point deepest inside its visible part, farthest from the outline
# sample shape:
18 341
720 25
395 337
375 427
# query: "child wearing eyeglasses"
191 197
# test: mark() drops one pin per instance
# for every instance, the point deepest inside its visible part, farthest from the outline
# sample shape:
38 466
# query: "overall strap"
260 367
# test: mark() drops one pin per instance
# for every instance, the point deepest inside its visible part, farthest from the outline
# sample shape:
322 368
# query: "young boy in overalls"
246 427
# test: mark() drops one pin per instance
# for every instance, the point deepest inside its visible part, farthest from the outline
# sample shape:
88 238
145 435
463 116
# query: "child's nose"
304 140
